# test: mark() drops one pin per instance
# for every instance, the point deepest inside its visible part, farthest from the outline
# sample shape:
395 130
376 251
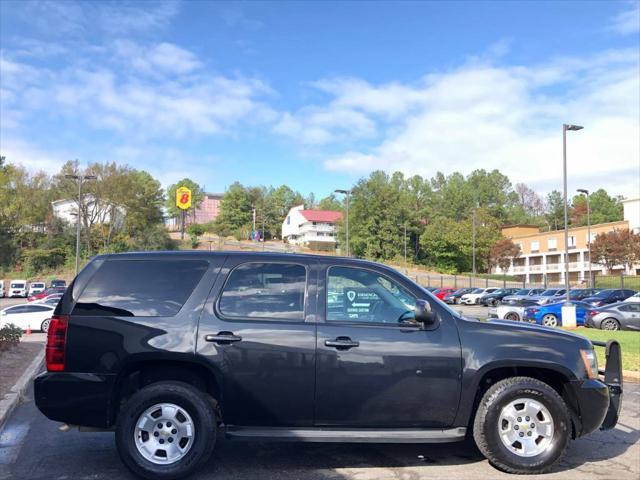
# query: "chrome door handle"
223 338
341 343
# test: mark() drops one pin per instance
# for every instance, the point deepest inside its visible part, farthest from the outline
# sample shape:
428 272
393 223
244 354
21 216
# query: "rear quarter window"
140 288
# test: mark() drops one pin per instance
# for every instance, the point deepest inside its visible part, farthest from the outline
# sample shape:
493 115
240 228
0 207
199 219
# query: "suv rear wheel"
522 426
166 430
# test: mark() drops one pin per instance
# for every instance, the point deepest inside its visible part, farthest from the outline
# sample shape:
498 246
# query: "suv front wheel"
166 430
522 425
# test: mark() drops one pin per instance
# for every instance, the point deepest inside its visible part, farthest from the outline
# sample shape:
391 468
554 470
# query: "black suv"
167 348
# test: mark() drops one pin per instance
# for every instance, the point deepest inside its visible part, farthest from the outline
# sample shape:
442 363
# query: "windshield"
548 293
37 285
603 293
524 291
477 290
17 285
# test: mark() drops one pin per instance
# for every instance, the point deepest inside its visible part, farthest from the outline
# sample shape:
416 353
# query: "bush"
10 335
37 260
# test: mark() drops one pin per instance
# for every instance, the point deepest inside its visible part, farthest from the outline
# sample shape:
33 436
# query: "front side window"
140 288
359 295
265 291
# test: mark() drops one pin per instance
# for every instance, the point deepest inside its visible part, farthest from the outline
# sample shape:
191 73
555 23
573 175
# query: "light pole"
346 193
566 127
404 226
586 192
473 242
80 179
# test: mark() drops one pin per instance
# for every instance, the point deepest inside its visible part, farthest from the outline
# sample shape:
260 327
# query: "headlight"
590 362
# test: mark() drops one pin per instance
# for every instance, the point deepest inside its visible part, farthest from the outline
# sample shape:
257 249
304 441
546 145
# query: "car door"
631 315
17 315
258 331
375 367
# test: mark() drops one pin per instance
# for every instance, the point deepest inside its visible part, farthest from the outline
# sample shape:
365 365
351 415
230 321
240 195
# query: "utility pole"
80 179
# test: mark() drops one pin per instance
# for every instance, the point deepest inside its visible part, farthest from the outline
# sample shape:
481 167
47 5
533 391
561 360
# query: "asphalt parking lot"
31 447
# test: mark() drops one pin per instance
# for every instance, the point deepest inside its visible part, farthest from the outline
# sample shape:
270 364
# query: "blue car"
551 315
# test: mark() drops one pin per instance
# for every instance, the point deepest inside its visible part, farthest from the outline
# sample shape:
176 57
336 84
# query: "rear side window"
265 291
140 288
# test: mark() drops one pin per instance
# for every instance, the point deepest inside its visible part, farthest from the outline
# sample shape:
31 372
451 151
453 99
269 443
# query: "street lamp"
586 192
346 193
80 179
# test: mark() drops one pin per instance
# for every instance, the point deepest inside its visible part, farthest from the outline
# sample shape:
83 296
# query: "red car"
48 291
443 292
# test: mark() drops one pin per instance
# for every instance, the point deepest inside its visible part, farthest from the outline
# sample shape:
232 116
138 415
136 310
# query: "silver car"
618 316
521 295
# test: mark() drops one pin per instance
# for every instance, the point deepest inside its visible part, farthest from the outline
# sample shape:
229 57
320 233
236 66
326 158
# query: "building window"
288 219
535 246
572 241
593 237
552 244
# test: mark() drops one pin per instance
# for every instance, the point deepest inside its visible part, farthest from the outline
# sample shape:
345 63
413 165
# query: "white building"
315 229
632 213
97 212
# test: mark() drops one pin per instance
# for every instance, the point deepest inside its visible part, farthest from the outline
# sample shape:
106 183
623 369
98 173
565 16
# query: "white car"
473 298
17 288
1 288
507 312
52 299
634 298
37 287
27 316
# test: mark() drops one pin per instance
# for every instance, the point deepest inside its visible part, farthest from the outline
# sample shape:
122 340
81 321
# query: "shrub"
37 260
10 335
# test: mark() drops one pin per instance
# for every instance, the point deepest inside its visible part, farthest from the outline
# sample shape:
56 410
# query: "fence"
617 281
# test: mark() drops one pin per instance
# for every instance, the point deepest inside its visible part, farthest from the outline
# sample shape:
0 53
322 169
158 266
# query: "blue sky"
318 94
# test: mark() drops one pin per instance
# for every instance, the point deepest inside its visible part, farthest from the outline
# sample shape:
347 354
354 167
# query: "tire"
609 324
494 302
553 429
512 316
550 320
195 412
44 326
458 301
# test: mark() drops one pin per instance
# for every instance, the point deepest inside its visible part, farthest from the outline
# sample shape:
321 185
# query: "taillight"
593 312
56 342
533 310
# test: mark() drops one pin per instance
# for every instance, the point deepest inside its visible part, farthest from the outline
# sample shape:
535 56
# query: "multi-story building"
96 211
315 229
542 257
207 211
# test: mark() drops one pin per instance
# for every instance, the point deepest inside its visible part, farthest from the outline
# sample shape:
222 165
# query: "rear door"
631 313
258 331
374 367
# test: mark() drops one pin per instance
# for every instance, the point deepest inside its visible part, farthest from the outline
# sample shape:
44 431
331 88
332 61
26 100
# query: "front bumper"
599 400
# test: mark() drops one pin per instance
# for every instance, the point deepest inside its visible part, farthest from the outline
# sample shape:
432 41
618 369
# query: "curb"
11 399
631 376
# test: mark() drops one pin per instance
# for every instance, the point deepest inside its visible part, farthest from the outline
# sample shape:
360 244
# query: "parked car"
46 293
27 316
633 298
550 315
608 296
1 288
249 343
618 316
17 288
494 298
454 297
57 283
473 298
36 287
580 294
521 294
514 312
50 299
440 293
551 295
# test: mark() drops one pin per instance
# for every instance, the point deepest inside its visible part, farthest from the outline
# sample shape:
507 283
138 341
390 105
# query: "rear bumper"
75 398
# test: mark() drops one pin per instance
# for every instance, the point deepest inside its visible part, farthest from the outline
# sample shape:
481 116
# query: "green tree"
197 196
555 210
331 202
235 212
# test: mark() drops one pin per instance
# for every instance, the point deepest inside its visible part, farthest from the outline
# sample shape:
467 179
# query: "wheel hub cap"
164 433
526 427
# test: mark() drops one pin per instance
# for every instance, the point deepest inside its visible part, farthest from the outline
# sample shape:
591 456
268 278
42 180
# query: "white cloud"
510 118
160 58
627 21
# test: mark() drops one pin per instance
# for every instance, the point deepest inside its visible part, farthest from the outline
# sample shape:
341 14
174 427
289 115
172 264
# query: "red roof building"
315 229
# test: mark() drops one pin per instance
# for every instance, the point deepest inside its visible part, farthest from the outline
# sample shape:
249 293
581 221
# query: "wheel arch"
139 373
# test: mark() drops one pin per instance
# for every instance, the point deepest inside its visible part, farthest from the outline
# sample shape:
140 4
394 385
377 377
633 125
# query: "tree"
331 203
555 210
502 253
609 249
604 208
235 212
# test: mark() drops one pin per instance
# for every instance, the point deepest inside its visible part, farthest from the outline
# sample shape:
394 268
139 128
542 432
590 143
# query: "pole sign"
183 198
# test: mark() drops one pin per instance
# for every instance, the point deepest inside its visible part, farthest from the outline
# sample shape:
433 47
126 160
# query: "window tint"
141 288
18 309
39 308
631 307
358 295
265 291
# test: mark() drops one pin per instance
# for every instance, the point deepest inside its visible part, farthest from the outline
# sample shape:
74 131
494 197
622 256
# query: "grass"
613 281
629 341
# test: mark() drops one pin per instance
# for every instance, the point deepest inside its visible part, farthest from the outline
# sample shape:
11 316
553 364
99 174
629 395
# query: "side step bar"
349 435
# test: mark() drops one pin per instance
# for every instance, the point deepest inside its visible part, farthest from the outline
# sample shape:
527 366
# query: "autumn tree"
502 253
609 249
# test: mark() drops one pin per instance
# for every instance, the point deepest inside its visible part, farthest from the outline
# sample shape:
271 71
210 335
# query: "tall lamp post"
586 193
346 193
80 179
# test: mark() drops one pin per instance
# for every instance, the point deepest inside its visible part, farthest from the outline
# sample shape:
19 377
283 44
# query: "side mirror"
424 314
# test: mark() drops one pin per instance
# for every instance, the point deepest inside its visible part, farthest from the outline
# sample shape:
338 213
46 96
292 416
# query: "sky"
318 94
